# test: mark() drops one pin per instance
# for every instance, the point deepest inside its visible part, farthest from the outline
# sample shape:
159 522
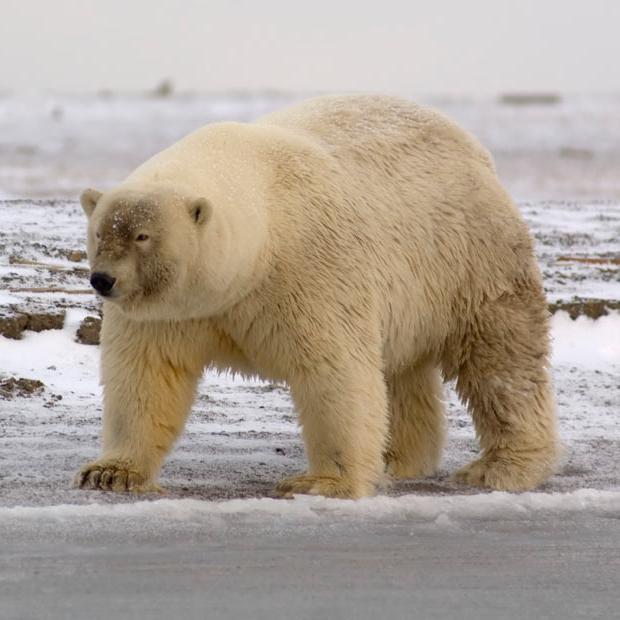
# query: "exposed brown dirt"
13 323
592 308
591 260
50 289
75 256
89 329
20 387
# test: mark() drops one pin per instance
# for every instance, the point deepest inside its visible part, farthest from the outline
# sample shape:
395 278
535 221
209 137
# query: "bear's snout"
102 282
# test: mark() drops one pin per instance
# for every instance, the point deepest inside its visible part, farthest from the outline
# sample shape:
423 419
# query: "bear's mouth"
111 296
128 299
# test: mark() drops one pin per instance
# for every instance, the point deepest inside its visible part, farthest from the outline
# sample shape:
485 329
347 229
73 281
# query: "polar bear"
360 249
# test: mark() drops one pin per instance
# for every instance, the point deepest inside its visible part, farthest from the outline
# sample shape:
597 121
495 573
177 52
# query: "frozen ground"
216 545
242 436
200 562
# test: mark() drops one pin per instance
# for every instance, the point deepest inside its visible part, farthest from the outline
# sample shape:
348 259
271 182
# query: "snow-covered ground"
217 538
242 436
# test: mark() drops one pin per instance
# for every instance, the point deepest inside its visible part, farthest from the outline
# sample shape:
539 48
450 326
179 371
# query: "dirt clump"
89 330
12 324
592 308
75 256
41 321
20 387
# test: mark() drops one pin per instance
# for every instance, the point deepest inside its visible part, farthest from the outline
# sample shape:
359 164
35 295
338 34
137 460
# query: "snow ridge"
439 509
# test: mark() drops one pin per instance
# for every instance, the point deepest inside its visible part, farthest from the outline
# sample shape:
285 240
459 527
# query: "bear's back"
422 214
354 127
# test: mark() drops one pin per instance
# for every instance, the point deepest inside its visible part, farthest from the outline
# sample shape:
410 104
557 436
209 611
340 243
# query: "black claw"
94 478
106 478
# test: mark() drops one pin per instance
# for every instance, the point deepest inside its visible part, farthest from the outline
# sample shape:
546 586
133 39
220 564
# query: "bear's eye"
142 237
98 235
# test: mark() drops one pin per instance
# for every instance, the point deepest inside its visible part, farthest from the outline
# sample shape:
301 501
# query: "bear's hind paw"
502 473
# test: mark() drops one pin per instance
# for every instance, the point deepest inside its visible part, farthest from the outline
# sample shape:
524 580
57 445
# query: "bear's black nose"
102 282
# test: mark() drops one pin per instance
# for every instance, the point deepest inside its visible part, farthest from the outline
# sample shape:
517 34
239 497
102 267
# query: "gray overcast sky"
432 46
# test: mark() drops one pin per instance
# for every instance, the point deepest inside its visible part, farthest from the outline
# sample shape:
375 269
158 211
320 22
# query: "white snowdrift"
417 508
586 342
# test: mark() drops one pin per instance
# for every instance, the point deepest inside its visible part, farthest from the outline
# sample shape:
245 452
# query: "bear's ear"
89 199
200 210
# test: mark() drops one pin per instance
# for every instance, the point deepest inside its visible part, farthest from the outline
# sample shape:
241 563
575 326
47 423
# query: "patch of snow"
6 298
586 342
442 510
54 357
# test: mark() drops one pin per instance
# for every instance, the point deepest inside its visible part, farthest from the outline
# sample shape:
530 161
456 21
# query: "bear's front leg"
149 372
343 414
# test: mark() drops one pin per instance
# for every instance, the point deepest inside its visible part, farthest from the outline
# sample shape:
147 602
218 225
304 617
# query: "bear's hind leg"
502 376
416 422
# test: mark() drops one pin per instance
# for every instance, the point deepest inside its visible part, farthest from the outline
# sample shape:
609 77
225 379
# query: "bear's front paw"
329 486
113 475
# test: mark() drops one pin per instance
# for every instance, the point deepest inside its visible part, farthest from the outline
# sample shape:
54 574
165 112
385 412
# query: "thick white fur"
358 248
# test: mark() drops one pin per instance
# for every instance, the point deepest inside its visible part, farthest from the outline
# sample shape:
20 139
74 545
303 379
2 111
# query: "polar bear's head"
143 247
